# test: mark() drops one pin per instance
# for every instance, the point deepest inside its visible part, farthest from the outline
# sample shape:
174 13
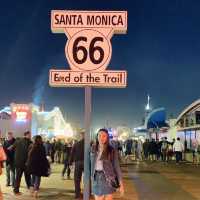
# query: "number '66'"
85 53
88 50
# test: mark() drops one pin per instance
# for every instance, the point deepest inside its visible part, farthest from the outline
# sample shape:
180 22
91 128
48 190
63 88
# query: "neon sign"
21 116
21 112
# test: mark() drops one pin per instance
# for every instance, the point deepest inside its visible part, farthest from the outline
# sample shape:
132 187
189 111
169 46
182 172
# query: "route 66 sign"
88 48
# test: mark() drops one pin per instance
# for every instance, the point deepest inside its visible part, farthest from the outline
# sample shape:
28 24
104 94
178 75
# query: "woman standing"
37 164
67 153
105 168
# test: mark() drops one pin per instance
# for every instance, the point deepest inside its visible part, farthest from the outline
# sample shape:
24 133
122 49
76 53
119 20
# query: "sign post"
88 110
88 51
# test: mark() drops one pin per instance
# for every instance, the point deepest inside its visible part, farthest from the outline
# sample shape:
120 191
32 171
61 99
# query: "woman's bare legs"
109 197
99 197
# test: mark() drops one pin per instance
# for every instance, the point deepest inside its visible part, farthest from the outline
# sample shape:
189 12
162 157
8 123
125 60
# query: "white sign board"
88 49
69 78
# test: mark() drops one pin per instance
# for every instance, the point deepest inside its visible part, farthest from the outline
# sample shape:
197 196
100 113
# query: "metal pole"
88 109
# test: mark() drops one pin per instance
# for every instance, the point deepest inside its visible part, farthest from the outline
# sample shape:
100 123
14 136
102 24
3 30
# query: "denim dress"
99 179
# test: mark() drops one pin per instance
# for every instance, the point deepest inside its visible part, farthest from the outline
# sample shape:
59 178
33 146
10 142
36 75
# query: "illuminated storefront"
51 124
19 118
188 124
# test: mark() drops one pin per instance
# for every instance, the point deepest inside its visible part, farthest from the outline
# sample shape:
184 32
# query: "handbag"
115 183
110 172
47 173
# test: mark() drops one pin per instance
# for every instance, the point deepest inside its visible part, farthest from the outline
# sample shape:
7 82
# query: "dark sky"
161 52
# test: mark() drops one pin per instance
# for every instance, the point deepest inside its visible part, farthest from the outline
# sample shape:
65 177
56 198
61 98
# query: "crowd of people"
25 157
34 157
159 150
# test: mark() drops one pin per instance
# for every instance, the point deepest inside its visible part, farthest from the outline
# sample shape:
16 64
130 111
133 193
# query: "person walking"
129 144
158 151
146 149
106 174
164 149
37 164
77 156
178 149
52 153
198 153
48 147
195 145
10 166
58 149
169 152
67 154
139 150
153 150
21 147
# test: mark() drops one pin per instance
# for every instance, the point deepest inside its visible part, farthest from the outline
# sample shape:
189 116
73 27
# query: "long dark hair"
38 141
107 153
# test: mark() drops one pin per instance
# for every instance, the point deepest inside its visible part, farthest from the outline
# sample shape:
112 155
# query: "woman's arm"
118 172
117 166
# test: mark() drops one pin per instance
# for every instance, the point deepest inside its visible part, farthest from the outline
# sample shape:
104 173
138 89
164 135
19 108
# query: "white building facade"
19 118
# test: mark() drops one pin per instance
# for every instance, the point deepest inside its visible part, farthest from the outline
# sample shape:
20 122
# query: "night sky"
161 52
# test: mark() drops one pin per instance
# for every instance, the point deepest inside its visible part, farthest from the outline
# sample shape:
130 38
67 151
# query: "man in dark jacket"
153 149
52 153
47 146
146 149
22 147
10 167
67 153
58 149
77 156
